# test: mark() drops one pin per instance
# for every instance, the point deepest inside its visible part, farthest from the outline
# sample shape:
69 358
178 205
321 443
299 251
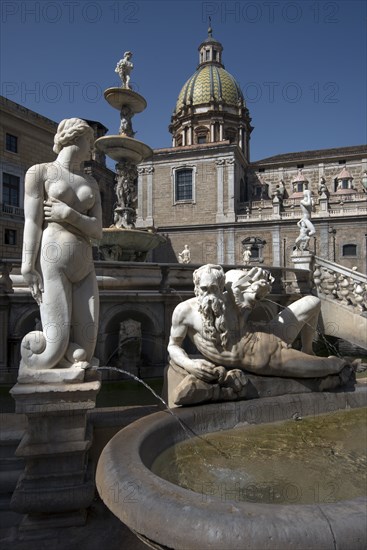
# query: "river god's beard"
212 309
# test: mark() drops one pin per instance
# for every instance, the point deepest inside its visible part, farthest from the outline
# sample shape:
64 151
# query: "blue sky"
300 64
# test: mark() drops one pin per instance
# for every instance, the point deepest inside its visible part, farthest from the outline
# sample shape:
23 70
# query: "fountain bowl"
128 244
165 515
119 97
121 148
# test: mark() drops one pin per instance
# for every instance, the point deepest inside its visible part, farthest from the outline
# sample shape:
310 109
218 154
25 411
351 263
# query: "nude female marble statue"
62 213
217 322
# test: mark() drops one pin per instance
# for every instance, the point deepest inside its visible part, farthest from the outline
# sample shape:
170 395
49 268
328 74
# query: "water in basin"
311 460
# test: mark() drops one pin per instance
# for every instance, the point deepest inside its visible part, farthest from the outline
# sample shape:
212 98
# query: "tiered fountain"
122 241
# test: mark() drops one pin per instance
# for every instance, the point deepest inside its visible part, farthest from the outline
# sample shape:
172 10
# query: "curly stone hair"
212 269
68 131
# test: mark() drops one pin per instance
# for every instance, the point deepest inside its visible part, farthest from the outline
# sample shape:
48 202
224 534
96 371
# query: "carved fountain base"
130 245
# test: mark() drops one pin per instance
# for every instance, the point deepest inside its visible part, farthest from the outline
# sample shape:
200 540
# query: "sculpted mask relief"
62 209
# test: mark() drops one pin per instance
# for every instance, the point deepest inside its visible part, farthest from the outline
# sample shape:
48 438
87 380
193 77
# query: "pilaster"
140 209
149 220
220 189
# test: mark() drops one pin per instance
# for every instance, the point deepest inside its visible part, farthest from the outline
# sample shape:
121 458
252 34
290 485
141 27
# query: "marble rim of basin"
119 97
172 517
136 239
121 148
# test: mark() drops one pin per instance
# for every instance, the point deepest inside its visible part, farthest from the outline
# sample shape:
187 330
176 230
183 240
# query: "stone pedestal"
57 484
303 259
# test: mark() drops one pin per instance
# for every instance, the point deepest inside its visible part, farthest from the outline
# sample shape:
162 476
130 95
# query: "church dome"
210 107
211 82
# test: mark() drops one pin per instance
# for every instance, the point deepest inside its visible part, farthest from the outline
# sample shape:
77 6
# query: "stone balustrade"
339 283
295 213
12 210
141 276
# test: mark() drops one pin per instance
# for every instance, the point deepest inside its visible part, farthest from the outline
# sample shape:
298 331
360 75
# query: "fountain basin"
119 97
168 516
122 244
122 148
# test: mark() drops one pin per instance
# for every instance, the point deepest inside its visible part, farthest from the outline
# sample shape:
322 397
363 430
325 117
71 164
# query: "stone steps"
11 466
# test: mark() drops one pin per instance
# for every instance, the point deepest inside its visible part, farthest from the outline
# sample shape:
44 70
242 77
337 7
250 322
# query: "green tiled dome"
207 83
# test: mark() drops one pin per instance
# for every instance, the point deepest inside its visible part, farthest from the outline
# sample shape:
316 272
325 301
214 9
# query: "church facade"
205 192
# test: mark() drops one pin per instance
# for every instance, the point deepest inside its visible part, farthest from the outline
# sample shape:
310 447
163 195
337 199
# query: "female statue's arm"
33 214
90 225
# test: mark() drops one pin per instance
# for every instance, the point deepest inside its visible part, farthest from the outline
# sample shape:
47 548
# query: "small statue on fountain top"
124 68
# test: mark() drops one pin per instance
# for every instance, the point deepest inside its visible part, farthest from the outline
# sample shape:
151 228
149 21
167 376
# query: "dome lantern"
210 51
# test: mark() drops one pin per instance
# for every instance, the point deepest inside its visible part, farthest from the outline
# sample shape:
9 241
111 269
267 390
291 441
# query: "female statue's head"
68 132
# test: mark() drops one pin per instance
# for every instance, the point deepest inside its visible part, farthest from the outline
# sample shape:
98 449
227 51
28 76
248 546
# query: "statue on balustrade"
306 227
184 257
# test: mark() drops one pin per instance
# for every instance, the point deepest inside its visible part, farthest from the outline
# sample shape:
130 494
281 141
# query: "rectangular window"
10 236
258 192
11 143
11 185
183 185
299 187
202 139
350 250
243 190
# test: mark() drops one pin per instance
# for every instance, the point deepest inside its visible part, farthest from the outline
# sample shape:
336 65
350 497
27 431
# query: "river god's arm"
200 368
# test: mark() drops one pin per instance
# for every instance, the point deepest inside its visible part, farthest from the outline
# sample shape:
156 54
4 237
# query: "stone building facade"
26 138
205 192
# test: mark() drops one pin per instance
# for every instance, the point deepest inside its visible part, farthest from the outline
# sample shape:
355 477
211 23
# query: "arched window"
349 250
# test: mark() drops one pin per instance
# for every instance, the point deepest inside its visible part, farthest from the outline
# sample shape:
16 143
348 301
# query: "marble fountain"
122 241
246 375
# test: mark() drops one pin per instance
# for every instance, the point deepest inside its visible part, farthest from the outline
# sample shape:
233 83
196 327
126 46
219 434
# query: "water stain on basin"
318 459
